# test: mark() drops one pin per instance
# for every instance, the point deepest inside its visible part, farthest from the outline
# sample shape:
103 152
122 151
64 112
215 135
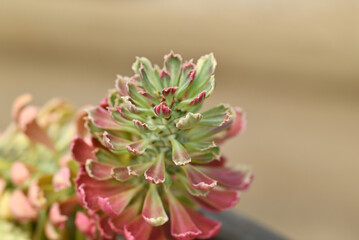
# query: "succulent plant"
153 158
37 197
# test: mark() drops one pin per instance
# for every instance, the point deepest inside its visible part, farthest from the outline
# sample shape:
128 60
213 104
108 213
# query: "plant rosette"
153 159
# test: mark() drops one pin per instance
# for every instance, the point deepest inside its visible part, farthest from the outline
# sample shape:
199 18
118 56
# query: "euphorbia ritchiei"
153 158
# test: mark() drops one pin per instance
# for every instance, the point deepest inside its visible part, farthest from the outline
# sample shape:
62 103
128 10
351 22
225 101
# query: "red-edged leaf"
240 179
121 174
117 223
97 170
209 228
105 228
138 169
179 154
138 229
153 211
182 226
198 179
89 189
101 118
138 147
161 233
81 151
113 142
156 173
116 203
218 200
172 65
237 126
162 110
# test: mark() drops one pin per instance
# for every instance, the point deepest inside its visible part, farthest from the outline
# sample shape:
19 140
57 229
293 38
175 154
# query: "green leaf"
149 78
205 68
173 64
179 154
189 121
216 116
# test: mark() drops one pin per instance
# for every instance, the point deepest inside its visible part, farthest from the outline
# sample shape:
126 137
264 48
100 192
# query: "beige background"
292 65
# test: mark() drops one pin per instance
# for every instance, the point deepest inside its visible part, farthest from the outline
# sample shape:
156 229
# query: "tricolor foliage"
152 157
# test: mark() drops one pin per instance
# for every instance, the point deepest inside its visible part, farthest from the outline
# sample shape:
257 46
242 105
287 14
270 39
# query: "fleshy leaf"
101 118
238 125
115 143
199 99
105 228
118 222
143 127
209 86
208 227
235 178
187 71
145 72
149 77
153 211
169 93
81 151
160 233
206 156
194 103
182 226
138 169
219 200
216 116
179 154
189 121
121 174
116 203
138 229
156 173
190 189
198 179
173 64
122 85
137 97
97 170
186 82
200 146
162 110
89 189
138 147
165 79
205 68
109 158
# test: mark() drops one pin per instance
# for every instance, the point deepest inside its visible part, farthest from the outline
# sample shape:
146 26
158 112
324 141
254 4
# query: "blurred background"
293 66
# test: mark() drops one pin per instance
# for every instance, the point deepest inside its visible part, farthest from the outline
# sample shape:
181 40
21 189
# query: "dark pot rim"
239 227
